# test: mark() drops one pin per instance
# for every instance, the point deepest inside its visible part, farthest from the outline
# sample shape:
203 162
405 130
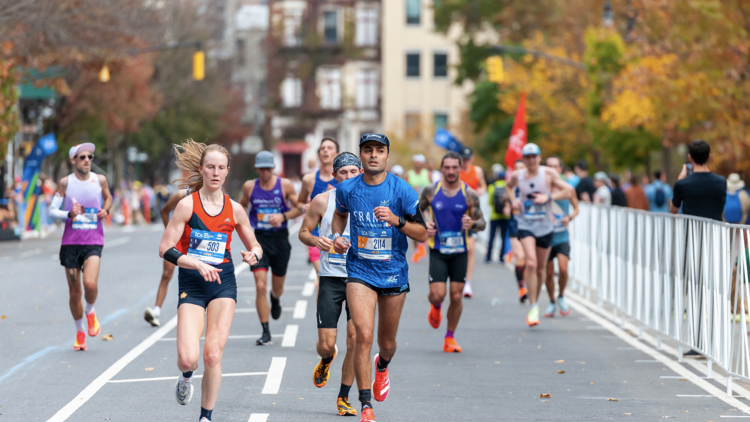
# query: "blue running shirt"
377 254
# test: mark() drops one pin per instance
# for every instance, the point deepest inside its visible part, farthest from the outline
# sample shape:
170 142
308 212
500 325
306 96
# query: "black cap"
374 137
466 152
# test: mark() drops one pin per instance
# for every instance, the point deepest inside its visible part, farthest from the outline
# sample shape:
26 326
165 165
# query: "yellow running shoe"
344 408
93 323
321 372
80 343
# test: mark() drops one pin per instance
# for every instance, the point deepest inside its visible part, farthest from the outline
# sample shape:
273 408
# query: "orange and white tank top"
208 238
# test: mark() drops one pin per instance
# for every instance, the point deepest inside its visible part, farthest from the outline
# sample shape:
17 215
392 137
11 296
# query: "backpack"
733 208
498 199
659 197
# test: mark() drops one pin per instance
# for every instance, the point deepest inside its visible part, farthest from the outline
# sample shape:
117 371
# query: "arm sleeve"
677 195
341 202
54 208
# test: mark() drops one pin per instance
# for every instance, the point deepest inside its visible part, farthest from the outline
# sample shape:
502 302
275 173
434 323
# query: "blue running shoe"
564 308
550 312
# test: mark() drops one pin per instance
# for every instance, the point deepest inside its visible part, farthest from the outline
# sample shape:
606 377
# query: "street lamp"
608 17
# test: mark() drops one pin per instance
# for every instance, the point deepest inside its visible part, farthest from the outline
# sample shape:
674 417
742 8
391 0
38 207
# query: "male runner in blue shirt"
383 211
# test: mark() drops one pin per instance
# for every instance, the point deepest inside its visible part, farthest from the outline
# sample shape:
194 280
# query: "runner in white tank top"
535 218
332 290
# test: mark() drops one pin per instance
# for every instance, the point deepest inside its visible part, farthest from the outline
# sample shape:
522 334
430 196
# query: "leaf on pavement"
149 369
544 395
611 399
627 414
560 361
108 337
560 372
3 317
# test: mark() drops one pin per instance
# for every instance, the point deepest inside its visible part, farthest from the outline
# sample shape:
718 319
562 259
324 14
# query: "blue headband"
346 159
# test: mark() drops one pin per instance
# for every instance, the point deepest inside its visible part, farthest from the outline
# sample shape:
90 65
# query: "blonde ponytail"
189 157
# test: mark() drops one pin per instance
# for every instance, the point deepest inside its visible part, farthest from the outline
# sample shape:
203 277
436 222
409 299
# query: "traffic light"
104 74
495 69
199 65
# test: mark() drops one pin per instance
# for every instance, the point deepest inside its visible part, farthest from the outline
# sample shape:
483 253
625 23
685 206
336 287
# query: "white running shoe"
204 419
467 290
183 390
149 316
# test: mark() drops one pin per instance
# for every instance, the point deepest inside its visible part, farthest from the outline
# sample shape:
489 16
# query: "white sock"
89 308
79 324
156 311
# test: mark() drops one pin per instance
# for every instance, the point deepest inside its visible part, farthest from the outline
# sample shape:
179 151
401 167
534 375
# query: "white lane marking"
241 268
308 289
312 275
243 337
117 242
239 374
258 417
252 289
300 308
290 336
253 310
673 365
113 370
275 373
30 253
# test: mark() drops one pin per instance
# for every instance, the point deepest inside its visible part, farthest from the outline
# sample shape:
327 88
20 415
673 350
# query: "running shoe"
264 340
80 343
450 346
550 312
382 384
467 290
204 419
321 372
275 307
434 317
418 254
522 294
149 316
533 317
344 408
94 327
564 308
183 390
367 415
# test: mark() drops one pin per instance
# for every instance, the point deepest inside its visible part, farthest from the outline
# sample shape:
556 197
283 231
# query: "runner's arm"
574 204
426 198
247 236
482 188
106 196
472 199
292 197
305 190
247 190
170 205
312 218
55 210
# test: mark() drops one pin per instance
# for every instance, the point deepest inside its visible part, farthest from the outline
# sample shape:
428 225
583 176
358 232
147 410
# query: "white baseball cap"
397 170
75 149
418 158
531 149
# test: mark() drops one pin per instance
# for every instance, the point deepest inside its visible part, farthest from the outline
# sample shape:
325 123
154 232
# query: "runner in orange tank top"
474 177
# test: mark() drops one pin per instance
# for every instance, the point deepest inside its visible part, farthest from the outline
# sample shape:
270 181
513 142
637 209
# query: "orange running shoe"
344 407
321 372
419 253
522 294
434 317
94 327
382 384
368 415
80 343
450 346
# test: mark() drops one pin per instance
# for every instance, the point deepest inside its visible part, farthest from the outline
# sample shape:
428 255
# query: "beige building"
418 93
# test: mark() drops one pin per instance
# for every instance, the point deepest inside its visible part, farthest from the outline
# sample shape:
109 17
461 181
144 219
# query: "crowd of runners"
358 219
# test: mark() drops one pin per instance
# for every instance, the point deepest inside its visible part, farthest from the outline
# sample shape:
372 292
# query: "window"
413 125
291 92
367 88
330 32
329 89
440 120
412 65
292 23
240 52
412 12
441 65
367 27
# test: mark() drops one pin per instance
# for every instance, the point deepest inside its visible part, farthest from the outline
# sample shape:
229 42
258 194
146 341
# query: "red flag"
518 135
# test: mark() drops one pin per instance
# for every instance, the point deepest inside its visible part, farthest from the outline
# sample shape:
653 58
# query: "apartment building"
323 77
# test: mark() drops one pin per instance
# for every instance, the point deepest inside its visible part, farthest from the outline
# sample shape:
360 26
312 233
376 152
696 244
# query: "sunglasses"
85 157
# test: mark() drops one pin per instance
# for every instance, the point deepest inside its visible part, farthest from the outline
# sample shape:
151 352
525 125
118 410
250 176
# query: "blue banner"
445 139
46 145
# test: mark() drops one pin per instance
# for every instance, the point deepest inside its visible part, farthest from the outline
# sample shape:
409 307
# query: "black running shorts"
276 252
381 291
444 267
196 290
331 297
543 242
513 227
561 249
73 256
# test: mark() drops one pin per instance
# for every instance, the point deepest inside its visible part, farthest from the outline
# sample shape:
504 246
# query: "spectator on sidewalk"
618 196
658 193
500 215
570 176
585 188
738 200
602 195
636 196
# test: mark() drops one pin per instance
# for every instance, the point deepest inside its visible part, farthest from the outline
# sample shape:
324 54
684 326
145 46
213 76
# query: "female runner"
198 240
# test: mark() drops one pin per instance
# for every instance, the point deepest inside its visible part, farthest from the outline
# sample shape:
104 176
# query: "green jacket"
496 214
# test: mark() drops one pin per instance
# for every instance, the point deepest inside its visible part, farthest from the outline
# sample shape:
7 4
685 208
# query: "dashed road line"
275 373
308 289
258 417
300 308
290 336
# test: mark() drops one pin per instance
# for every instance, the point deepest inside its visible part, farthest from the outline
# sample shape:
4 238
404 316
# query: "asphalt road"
588 370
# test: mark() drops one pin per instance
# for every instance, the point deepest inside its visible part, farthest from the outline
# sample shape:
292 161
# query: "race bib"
533 211
375 244
452 242
263 214
208 247
335 258
86 221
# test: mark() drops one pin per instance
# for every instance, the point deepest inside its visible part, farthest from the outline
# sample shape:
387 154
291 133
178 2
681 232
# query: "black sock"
364 398
206 413
560 296
187 374
382 364
519 275
327 360
552 302
344 390
265 327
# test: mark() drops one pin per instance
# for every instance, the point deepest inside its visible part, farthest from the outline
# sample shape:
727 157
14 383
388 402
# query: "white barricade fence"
683 276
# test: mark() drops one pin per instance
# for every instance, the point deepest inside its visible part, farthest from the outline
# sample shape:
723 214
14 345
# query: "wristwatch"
401 222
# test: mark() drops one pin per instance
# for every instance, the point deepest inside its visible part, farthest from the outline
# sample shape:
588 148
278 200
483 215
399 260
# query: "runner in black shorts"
515 244
452 212
268 199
